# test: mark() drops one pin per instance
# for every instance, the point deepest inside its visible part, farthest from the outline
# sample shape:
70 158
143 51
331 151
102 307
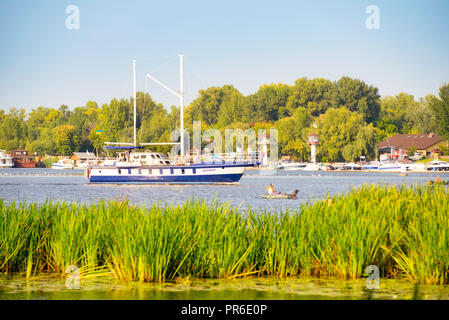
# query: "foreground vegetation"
403 230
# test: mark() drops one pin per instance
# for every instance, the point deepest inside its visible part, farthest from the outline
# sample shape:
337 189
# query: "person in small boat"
270 190
437 179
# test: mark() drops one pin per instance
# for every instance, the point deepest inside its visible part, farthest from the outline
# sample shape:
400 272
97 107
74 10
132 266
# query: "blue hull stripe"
218 178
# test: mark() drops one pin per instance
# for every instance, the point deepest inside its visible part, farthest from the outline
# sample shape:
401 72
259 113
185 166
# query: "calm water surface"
37 185
52 287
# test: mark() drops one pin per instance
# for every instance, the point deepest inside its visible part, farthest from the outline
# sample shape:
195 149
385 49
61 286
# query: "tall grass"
403 230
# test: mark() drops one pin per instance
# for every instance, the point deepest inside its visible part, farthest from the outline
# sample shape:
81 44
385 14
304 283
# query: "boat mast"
180 95
135 102
181 101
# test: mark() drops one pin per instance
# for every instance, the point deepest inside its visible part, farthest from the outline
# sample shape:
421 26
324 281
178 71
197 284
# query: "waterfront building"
82 159
398 146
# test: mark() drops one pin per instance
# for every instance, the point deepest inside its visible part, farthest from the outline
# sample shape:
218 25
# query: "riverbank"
347 171
402 230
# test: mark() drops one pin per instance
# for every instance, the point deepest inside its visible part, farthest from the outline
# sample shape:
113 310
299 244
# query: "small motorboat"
441 182
291 195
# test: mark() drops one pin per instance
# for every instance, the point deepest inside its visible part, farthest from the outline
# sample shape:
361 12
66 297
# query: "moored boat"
437 165
6 161
62 164
291 166
315 167
352 166
371 165
390 165
22 159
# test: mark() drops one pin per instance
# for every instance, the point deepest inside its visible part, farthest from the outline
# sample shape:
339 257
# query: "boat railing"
232 157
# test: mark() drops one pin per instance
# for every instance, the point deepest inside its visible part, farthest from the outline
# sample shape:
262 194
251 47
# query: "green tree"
412 151
44 144
65 139
231 109
421 116
96 137
13 129
206 107
292 134
355 95
440 110
315 95
404 113
268 103
345 136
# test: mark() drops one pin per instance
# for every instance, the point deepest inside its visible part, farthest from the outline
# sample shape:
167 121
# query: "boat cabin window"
183 171
140 171
161 171
119 171
143 156
129 171
194 170
172 171
158 156
136 157
153 156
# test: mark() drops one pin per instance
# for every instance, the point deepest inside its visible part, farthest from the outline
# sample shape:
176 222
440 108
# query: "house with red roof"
399 145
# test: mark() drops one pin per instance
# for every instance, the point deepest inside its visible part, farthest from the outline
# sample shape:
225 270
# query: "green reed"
403 230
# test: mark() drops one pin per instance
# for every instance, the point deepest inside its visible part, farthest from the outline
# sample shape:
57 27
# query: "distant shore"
348 171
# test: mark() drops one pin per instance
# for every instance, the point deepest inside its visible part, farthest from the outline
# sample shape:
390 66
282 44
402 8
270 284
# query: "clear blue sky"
244 43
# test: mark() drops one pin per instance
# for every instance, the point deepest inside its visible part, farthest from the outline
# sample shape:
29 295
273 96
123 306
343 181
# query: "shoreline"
349 171
55 287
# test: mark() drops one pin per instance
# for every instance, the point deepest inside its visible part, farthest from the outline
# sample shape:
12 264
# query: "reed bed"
403 230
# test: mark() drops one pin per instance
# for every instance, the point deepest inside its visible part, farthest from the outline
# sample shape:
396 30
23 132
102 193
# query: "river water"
38 185
47 287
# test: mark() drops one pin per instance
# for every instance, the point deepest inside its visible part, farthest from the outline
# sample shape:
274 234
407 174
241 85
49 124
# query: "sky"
243 43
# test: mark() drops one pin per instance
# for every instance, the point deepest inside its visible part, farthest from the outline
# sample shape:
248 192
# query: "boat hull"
26 165
394 169
60 167
438 169
197 174
278 196
224 178
370 167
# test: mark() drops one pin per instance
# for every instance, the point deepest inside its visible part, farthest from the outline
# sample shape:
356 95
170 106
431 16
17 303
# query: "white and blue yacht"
148 167
169 174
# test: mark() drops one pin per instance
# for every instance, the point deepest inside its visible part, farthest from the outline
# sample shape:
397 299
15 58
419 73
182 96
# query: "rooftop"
406 141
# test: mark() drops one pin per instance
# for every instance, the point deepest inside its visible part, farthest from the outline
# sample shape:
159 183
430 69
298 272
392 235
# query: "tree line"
349 116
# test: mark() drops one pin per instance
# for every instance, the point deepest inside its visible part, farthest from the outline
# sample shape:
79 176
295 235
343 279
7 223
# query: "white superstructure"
6 160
